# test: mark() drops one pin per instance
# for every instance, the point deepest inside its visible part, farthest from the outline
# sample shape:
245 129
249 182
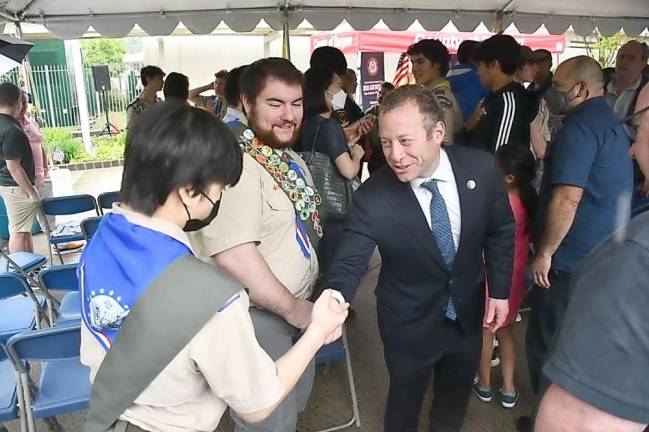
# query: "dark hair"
176 86
173 145
253 79
329 58
223 73
517 160
501 48
232 88
422 97
148 72
316 81
386 85
465 50
10 94
435 51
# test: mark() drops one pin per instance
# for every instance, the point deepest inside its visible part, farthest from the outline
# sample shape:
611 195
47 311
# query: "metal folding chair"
107 199
339 351
9 395
64 383
64 206
63 278
89 227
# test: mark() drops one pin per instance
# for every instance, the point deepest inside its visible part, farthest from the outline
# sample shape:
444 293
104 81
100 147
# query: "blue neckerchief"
300 235
120 263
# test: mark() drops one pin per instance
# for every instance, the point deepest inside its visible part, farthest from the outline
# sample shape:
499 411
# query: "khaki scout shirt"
452 113
223 365
257 210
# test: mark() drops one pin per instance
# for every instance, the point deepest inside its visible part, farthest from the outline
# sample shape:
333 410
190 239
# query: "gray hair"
420 96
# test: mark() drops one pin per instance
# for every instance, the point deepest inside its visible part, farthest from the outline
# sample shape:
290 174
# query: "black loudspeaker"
101 77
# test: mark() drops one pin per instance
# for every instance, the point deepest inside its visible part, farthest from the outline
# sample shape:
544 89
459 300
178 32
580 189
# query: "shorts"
21 210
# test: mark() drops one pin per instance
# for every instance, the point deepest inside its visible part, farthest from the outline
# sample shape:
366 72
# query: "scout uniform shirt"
257 210
452 114
223 365
138 105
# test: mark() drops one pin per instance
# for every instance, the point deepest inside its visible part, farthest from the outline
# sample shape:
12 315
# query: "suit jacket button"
451 282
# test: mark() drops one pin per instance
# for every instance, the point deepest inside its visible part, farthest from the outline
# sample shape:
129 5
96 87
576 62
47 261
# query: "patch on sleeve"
444 102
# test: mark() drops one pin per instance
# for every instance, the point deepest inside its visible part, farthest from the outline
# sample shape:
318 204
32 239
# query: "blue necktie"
441 227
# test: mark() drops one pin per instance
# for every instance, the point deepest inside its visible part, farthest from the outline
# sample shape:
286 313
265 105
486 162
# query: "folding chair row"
73 205
64 383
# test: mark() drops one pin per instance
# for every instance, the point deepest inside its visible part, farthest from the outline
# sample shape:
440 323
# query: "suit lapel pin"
471 184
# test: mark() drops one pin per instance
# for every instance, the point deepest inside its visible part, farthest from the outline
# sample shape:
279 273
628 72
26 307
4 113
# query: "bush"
110 148
63 139
106 148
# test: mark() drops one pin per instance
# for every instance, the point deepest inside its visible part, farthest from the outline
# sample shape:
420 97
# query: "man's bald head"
586 69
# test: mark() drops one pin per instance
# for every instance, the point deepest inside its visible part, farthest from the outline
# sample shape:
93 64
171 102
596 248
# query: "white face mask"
338 101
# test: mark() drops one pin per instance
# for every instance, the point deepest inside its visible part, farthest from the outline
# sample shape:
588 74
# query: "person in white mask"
322 96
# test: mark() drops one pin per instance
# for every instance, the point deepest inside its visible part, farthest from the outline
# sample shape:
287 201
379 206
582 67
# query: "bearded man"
268 225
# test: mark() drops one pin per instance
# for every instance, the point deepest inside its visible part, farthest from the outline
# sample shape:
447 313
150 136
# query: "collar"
147 96
599 100
610 88
439 83
155 224
443 173
232 111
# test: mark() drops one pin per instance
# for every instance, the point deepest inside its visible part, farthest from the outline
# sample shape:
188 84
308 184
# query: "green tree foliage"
604 48
104 52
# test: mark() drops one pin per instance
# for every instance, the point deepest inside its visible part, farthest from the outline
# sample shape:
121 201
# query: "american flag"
403 70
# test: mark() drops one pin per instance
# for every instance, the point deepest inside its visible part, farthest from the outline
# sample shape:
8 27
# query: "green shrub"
62 138
106 148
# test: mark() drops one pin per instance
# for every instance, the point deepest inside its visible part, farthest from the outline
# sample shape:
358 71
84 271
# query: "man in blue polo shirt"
584 196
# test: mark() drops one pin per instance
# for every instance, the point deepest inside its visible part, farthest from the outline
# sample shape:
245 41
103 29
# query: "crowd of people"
486 177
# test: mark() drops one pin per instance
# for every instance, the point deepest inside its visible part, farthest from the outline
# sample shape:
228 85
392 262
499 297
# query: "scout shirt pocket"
279 215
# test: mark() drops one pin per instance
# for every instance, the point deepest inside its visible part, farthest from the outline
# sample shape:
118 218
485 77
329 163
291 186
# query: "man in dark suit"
439 217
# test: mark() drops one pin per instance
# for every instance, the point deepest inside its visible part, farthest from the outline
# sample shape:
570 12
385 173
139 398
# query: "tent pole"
286 33
26 70
79 80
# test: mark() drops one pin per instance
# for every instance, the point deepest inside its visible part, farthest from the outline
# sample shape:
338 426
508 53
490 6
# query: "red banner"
399 41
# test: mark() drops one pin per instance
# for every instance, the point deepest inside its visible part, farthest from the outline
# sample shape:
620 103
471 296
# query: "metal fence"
56 94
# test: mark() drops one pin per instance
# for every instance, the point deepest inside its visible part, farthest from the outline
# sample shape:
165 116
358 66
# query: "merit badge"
248 134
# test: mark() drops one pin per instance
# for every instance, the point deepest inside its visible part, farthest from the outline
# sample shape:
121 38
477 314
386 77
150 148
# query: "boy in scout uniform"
268 225
139 281
430 64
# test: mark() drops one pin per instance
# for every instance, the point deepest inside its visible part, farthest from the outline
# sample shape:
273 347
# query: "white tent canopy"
116 18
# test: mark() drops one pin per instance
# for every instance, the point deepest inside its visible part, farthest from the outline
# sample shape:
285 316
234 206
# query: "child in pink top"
517 163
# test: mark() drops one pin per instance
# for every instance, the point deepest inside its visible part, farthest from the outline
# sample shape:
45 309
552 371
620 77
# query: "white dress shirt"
448 188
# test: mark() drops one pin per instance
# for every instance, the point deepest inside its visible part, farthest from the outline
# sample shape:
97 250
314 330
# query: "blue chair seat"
335 351
16 316
66 239
64 387
70 309
8 398
26 260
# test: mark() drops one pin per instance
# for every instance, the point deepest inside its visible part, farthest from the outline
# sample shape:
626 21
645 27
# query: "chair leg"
58 252
31 425
52 424
352 384
22 408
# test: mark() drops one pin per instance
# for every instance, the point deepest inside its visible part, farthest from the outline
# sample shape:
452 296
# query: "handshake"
324 318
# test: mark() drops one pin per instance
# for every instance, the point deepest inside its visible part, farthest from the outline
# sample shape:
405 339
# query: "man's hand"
540 269
357 151
359 128
300 314
34 196
497 311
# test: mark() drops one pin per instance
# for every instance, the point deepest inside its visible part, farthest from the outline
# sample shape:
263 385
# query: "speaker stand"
109 128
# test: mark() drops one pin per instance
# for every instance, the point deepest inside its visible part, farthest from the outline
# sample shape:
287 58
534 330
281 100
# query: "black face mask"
196 224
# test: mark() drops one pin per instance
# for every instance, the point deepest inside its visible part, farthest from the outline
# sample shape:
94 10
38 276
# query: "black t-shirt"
602 353
508 113
330 137
14 144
